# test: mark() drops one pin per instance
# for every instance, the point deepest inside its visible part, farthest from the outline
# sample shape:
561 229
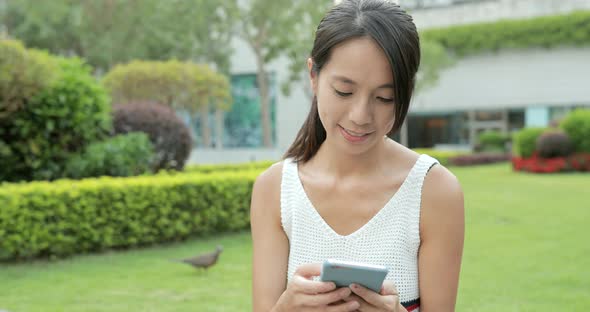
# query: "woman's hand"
370 301
304 294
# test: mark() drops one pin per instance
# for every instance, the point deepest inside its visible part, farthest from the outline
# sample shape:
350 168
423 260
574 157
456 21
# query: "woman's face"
355 95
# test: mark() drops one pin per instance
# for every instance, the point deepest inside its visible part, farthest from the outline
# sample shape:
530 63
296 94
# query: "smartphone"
344 273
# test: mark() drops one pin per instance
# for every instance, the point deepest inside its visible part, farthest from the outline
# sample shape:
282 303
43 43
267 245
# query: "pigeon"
203 261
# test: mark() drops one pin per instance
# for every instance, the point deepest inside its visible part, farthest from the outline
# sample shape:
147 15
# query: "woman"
346 191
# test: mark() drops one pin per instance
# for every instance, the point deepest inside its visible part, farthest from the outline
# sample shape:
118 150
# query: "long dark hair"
393 29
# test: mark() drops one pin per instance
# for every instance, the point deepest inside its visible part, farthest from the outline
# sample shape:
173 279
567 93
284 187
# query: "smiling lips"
354 137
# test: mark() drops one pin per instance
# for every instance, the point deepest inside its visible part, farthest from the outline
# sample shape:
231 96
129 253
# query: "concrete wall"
511 79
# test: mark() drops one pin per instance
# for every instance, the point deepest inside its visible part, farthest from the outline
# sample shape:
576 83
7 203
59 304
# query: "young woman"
346 191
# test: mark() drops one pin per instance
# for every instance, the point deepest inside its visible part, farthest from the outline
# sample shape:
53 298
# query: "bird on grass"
203 261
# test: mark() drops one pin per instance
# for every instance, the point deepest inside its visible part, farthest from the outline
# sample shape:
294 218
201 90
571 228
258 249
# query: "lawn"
526 249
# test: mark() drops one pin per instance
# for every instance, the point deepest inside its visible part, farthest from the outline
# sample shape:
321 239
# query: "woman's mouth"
353 136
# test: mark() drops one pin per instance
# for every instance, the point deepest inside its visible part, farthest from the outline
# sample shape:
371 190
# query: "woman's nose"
361 113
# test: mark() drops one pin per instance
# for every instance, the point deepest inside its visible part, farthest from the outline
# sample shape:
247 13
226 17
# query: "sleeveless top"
391 238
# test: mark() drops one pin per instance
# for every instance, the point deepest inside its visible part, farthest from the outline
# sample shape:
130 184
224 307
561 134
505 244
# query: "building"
504 90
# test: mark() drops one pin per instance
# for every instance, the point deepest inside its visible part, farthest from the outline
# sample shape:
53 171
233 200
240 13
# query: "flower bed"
574 162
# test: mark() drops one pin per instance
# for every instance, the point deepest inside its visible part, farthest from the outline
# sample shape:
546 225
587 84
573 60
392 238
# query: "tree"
109 32
275 28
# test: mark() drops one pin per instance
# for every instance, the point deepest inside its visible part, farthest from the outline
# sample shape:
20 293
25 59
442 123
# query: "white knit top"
391 238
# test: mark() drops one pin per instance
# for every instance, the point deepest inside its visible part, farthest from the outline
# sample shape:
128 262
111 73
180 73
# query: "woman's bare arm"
442 227
270 244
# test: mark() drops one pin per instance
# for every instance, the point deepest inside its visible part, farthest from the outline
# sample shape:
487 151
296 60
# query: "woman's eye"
342 94
385 100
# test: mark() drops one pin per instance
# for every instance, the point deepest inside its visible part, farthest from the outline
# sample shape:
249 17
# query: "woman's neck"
342 165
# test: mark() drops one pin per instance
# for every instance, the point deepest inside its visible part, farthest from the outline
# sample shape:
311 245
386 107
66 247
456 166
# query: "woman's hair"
392 28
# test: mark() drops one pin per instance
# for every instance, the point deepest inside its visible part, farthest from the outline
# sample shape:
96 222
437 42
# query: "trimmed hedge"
259 165
65 217
442 156
544 32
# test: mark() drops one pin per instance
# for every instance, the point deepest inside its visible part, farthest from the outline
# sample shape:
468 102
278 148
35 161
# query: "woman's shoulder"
265 202
440 186
270 178
442 200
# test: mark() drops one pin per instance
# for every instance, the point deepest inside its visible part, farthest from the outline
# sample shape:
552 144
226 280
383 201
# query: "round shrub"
493 140
169 135
59 121
554 143
525 141
120 156
23 74
577 126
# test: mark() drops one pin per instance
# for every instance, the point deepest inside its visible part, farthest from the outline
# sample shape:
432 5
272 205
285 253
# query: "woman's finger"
327 298
309 270
389 288
343 307
368 295
306 286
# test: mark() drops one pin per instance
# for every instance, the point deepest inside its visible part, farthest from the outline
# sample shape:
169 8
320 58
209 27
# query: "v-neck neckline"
356 232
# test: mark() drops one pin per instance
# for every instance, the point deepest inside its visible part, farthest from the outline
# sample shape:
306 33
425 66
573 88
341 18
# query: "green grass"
138 280
526 249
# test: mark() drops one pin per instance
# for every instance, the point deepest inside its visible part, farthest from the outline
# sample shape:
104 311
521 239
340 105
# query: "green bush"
577 125
23 74
62 119
181 84
525 141
493 141
67 217
120 156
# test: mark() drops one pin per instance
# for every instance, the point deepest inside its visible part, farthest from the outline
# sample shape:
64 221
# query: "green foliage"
547 31
67 217
62 119
23 74
109 32
183 85
259 165
493 140
577 125
525 141
120 156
